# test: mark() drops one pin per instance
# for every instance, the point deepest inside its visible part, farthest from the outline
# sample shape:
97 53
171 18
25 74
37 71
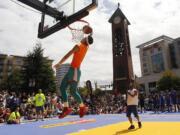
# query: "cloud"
157 4
2 7
149 19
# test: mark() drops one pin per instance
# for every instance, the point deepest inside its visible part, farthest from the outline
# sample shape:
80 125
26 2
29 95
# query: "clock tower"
122 61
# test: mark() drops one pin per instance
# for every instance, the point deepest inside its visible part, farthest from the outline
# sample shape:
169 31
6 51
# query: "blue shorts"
39 108
131 109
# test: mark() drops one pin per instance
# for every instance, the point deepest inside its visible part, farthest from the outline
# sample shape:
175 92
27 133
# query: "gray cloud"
157 4
3 7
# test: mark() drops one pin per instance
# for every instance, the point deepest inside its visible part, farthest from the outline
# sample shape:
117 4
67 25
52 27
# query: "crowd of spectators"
159 102
21 105
11 101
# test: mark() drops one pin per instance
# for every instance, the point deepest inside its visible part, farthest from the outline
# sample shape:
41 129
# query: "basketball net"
76 29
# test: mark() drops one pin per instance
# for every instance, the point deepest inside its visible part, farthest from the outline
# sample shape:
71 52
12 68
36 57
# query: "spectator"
29 113
174 99
14 117
39 104
178 103
168 102
141 103
24 99
2 115
156 102
162 102
1 100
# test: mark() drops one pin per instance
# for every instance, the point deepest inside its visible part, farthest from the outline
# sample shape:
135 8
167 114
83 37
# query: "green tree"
4 84
97 91
168 81
84 91
38 73
14 80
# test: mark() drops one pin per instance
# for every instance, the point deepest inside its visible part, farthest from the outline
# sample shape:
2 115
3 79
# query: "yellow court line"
149 128
82 121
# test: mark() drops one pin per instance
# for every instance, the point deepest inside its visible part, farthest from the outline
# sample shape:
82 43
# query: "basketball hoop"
76 29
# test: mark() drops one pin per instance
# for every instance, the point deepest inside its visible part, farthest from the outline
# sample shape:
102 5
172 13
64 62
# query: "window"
173 56
179 46
144 58
1 74
145 53
179 43
9 68
144 65
157 63
145 70
142 87
159 49
152 86
152 51
18 62
1 62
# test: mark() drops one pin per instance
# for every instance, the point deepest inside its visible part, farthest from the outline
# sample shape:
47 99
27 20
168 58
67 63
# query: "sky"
149 19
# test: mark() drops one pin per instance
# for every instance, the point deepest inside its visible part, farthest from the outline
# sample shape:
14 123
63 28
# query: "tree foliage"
84 91
168 81
15 80
97 91
38 73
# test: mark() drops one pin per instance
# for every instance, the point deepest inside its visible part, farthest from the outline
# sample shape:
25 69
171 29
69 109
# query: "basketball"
87 29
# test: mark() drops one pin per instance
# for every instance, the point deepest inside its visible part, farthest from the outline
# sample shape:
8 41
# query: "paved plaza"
109 124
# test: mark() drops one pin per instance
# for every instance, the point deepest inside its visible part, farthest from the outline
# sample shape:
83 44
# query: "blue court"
74 124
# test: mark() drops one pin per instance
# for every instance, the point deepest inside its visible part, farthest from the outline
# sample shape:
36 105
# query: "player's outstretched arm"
75 48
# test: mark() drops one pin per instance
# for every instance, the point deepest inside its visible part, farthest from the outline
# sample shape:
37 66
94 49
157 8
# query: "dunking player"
132 103
73 76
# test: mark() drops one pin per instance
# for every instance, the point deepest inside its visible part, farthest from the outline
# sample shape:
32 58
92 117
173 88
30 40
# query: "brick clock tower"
122 61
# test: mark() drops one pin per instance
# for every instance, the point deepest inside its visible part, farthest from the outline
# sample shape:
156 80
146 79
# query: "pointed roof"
118 12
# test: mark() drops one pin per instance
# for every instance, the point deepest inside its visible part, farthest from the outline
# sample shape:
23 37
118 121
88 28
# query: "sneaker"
131 127
65 112
139 124
82 111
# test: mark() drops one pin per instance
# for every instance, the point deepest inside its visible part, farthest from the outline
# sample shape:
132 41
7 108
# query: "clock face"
117 20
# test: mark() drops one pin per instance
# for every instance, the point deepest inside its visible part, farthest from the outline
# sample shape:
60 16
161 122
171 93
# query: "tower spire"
118 5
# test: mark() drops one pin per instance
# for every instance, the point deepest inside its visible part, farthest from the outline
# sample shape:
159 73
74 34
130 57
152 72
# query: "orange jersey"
79 56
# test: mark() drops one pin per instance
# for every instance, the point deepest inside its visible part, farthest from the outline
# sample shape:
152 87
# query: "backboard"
66 13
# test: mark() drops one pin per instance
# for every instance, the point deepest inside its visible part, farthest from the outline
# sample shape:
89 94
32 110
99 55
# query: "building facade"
156 56
175 53
8 63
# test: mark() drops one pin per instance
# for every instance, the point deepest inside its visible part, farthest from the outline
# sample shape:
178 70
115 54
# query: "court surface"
109 124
